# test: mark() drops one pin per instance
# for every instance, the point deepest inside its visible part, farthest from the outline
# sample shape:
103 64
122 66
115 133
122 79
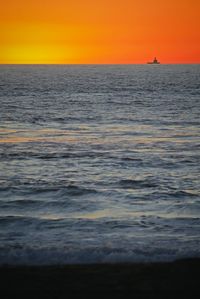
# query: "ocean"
99 163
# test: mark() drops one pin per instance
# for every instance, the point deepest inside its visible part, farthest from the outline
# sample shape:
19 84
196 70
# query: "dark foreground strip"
149 280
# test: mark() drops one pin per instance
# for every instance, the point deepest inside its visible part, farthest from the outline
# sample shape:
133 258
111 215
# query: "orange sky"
99 31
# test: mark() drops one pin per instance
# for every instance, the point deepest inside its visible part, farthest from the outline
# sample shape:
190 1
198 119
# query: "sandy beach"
145 280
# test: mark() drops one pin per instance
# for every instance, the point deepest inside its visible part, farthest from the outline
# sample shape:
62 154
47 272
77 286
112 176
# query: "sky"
99 31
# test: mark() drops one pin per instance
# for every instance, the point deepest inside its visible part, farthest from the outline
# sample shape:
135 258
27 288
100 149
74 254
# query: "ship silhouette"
155 61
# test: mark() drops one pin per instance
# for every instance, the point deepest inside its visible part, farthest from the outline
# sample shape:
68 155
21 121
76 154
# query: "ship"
155 61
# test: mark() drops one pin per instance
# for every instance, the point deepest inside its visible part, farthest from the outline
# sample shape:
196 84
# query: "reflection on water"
99 164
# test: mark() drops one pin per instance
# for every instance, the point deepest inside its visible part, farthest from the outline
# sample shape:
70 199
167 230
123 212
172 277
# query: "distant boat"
155 61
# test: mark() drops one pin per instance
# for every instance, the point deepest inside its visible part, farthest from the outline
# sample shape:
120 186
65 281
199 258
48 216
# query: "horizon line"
167 63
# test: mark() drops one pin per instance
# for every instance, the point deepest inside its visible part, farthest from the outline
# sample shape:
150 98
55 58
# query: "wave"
176 194
23 203
136 184
78 240
182 193
36 225
19 220
17 255
59 191
21 155
74 190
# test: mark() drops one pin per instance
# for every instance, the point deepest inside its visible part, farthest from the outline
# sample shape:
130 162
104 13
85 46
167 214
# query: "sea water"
99 163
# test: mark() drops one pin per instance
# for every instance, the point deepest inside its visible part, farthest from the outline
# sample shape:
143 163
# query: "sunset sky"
99 31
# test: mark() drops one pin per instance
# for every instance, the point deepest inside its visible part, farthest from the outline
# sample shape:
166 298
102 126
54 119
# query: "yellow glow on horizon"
32 54
37 43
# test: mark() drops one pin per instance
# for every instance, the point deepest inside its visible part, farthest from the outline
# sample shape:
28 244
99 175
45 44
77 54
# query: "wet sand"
148 280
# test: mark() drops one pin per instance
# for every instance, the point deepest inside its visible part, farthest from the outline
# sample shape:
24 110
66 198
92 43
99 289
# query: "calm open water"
99 163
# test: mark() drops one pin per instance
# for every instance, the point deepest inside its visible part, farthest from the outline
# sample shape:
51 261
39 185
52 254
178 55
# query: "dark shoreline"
136 280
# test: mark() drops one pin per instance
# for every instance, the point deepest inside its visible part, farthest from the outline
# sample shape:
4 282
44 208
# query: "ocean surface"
99 163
